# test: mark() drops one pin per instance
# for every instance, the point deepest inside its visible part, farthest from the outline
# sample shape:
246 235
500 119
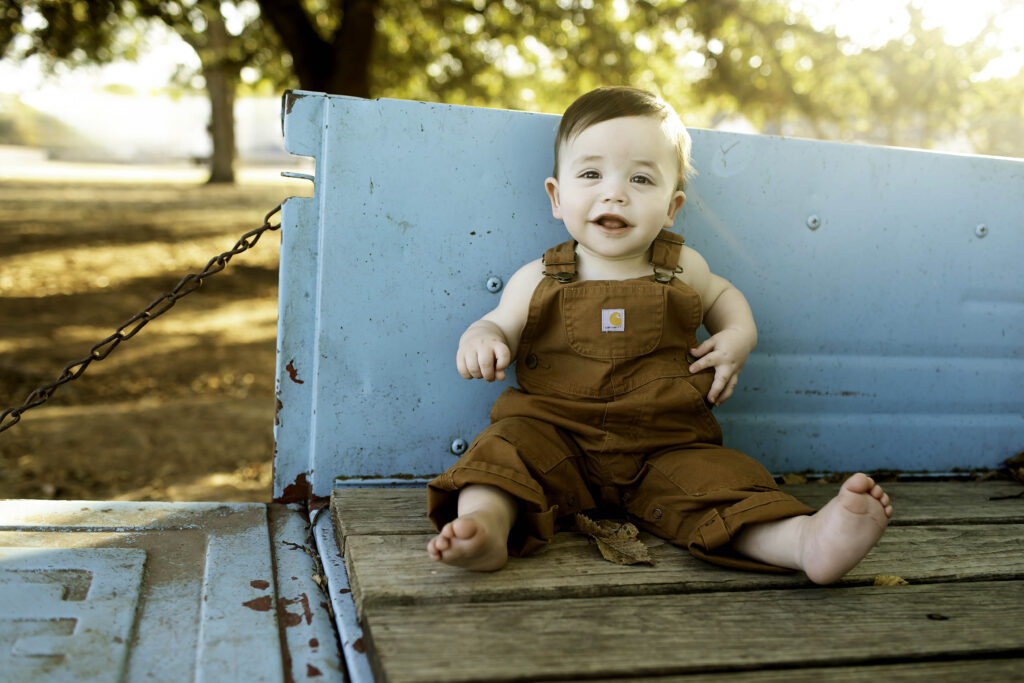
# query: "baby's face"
616 186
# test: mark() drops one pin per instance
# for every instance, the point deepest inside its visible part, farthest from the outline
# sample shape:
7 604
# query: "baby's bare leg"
478 538
828 543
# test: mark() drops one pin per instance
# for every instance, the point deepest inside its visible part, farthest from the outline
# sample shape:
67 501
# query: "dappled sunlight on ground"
185 409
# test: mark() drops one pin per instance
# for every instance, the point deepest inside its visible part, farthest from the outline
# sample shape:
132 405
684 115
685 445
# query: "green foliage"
70 31
766 62
714 59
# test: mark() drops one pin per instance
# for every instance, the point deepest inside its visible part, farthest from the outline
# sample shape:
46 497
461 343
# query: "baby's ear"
674 204
551 185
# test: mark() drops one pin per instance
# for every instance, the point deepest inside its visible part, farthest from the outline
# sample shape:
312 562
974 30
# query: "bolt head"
813 221
459 446
981 230
494 284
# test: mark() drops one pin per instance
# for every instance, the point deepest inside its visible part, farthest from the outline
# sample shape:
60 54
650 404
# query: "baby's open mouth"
610 222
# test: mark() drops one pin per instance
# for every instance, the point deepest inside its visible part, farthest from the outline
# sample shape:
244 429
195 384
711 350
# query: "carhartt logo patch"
613 320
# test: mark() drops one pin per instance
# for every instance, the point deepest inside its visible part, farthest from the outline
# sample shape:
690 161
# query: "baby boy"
614 397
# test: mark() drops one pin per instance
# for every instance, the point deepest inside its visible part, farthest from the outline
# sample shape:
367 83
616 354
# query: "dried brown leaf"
618 542
794 478
1015 466
890 580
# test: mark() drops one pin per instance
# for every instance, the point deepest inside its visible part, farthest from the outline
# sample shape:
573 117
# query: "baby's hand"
726 352
483 354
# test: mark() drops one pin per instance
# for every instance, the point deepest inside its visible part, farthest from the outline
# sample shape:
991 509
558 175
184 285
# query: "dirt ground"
183 411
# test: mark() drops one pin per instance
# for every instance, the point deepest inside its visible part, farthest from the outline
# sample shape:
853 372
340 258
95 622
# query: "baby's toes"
859 483
464 528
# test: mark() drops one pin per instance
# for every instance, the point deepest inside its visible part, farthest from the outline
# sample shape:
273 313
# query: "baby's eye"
639 178
589 175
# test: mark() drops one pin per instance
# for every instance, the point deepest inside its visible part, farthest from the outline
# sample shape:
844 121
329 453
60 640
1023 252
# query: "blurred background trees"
771 65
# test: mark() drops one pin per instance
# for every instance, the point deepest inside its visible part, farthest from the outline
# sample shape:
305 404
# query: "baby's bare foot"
471 541
840 534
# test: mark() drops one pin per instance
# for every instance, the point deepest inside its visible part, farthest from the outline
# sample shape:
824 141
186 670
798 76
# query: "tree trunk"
350 74
221 79
341 65
221 89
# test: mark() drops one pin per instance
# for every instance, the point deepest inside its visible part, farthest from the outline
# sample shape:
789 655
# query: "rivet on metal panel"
494 284
981 230
813 221
459 446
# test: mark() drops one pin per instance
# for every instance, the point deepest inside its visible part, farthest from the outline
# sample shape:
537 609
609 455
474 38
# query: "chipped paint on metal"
296 492
307 628
293 373
140 589
261 604
349 630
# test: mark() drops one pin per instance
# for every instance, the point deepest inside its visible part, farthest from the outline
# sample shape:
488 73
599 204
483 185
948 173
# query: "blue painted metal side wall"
890 331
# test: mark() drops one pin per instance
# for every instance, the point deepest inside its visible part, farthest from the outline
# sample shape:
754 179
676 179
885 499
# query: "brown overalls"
608 414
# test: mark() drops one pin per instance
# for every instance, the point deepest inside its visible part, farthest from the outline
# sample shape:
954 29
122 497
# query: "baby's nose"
614 192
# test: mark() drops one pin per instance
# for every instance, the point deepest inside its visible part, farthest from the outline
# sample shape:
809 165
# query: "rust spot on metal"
299 491
318 502
290 98
260 584
312 671
277 411
259 604
291 618
313 642
344 590
358 646
293 373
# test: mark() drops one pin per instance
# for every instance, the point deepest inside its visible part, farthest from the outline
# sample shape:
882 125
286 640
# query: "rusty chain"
130 327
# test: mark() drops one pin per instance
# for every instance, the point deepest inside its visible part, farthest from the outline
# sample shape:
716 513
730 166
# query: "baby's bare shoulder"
516 295
526 278
694 269
697 274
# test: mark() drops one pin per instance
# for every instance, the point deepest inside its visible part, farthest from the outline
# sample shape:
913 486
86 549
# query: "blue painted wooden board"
891 330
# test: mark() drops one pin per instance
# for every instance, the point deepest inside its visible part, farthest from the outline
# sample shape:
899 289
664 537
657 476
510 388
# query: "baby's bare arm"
488 346
727 316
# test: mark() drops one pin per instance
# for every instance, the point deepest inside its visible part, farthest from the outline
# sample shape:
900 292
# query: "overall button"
531 361
656 514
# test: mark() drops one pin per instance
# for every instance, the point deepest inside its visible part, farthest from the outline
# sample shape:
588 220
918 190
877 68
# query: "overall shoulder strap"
665 251
560 262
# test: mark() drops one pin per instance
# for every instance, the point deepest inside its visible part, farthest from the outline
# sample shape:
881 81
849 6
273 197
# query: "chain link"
130 327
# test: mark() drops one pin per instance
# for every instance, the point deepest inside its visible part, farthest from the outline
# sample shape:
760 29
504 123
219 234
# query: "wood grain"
567 614
675 634
401 511
396 570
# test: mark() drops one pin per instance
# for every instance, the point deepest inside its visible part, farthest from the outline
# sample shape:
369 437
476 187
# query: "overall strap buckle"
665 251
560 262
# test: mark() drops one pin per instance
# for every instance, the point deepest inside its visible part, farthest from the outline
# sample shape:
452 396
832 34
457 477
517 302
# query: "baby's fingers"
705 359
469 367
502 359
485 362
726 393
492 362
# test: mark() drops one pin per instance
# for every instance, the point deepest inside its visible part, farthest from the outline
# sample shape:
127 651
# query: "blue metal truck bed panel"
885 282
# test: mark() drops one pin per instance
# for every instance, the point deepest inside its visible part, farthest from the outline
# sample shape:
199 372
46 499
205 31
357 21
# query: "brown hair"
613 102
